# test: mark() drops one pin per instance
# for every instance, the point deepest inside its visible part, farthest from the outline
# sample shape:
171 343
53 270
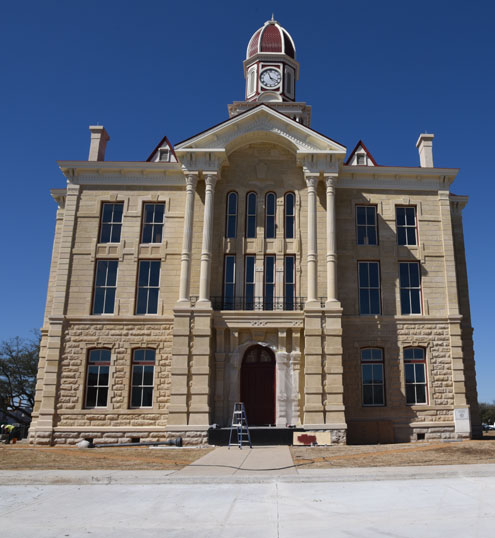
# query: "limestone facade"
314 325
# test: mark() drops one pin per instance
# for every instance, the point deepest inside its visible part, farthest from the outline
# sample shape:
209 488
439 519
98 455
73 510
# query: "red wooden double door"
258 385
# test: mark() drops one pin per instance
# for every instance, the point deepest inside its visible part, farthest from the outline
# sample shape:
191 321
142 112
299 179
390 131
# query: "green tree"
18 368
487 412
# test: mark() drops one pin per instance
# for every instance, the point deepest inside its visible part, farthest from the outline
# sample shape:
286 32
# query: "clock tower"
271 72
270 67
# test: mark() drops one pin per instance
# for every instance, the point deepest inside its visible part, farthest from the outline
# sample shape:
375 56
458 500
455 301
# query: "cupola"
270 68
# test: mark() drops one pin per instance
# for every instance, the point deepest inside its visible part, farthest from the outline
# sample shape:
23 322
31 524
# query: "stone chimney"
98 144
425 148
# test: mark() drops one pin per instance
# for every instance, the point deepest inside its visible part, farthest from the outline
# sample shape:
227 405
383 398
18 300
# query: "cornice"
396 178
122 173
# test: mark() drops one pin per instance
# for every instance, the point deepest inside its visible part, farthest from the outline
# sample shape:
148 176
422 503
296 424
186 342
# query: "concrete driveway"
449 501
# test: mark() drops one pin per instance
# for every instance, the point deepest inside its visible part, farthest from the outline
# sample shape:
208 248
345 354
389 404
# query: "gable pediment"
257 124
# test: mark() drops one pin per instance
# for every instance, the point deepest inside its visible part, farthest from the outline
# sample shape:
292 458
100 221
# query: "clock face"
270 78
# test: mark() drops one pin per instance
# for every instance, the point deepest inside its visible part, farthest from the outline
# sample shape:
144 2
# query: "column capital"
210 178
191 179
311 180
330 180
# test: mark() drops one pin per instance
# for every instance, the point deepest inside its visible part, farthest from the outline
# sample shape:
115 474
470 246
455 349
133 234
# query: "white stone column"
311 182
331 240
185 259
204 278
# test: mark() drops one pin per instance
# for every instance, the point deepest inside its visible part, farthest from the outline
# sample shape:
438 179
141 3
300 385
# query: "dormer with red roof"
361 156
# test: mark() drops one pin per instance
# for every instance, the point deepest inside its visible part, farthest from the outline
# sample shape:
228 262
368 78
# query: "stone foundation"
189 438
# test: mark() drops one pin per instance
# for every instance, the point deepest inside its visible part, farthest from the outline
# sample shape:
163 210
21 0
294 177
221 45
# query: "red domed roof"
271 38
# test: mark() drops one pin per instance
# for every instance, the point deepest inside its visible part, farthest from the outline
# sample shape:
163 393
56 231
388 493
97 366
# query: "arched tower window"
290 213
270 215
231 216
251 215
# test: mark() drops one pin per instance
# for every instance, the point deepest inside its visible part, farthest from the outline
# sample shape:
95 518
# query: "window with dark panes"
153 217
143 371
251 215
231 217
372 376
366 225
410 287
270 215
229 283
249 282
415 374
290 213
98 378
369 287
111 222
289 282
148 287
406 225
105 286
269 283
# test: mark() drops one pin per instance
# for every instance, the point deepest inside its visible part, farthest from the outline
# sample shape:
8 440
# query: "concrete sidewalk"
265 460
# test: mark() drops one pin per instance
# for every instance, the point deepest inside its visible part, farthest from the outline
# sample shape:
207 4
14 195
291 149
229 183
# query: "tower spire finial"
273 17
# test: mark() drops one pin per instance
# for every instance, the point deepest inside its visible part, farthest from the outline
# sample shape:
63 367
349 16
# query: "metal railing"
258 303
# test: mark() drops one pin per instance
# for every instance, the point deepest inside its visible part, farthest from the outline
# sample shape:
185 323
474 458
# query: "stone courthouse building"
257 261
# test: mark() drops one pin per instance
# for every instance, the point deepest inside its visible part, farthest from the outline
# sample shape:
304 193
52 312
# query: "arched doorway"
258 385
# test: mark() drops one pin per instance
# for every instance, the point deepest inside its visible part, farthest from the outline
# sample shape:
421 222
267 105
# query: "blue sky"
380 71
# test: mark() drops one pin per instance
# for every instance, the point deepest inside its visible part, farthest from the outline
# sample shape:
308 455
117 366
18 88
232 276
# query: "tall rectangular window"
148 287
289 282
415 374
410 287
231 216
406 225
372 376
105 286
251 215
290 214
111 222
229 283
143 370
269 283
369 287
153 216
366 225
270 214
249 282
98 377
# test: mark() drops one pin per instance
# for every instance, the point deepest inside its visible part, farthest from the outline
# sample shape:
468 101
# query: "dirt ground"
396 455
22 456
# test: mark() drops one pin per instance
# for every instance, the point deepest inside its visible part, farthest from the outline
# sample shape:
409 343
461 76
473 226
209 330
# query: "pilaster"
205 269
185 260
43 428
330 181
313 367
312 257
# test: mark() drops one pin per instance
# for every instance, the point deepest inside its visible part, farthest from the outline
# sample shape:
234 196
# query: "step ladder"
239 423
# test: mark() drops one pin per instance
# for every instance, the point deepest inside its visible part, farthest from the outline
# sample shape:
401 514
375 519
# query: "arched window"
372 376
143 373
290 212
98 377
270 214
231 217
251 215
415 374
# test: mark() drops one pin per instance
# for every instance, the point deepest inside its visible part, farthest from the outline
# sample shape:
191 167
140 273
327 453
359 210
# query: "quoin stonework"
257 261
